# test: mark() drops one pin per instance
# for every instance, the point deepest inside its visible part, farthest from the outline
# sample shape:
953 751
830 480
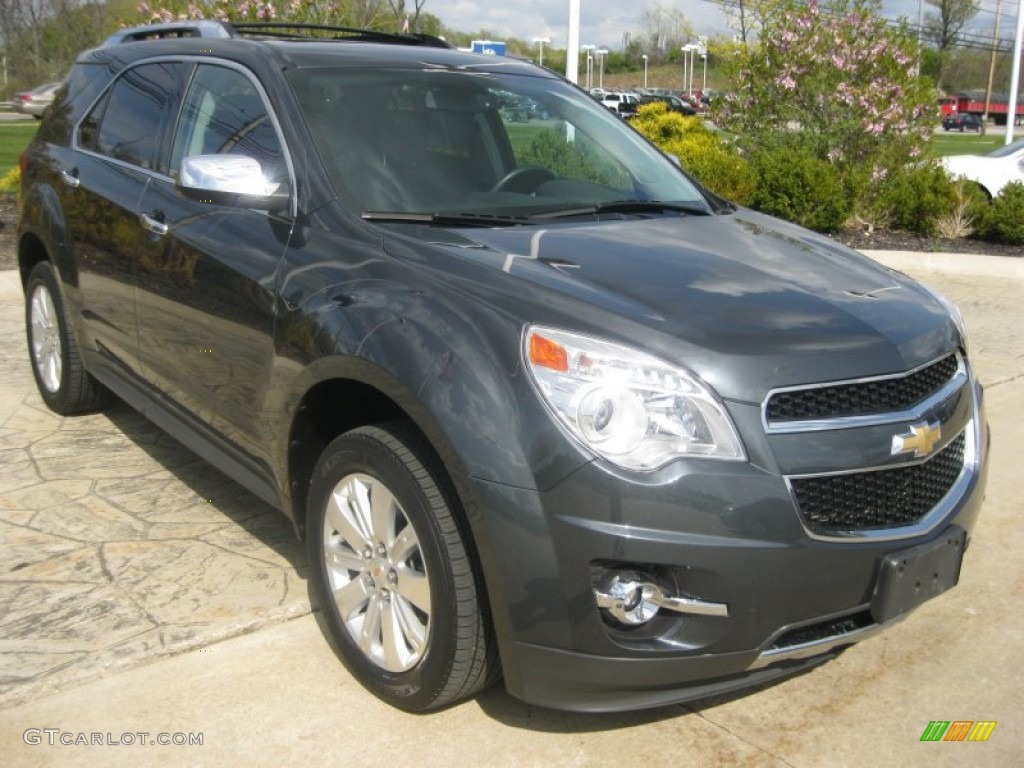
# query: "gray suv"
541 406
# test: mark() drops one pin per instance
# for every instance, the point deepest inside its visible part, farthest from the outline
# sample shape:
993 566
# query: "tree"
42 37
838 87
944 27
402 16
748 17
662 32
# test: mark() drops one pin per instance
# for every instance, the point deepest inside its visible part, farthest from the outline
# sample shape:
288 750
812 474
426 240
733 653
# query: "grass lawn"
946 144
14 137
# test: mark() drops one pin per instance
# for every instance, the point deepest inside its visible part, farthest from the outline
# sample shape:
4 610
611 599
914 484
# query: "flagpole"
1011 107
572 50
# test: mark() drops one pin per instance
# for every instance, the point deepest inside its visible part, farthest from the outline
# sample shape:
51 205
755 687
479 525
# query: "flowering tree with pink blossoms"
364 14
837 85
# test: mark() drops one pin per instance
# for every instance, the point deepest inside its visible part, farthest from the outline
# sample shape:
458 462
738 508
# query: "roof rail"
196 28
288 30
208 28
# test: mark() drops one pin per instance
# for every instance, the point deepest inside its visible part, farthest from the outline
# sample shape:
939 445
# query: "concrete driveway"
143 593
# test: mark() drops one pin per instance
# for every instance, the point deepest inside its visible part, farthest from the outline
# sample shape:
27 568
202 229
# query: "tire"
61 379
386 551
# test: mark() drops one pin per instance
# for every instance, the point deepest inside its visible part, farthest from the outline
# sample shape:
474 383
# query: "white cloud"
602 22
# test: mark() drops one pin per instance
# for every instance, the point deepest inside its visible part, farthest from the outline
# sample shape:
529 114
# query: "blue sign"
489 47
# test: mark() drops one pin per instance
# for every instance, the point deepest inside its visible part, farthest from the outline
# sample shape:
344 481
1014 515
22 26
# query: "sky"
602 22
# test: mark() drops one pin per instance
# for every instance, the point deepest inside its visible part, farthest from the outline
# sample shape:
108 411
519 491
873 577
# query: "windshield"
450 143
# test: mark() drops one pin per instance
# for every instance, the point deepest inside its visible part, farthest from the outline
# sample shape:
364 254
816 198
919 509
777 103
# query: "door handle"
154 225
71 178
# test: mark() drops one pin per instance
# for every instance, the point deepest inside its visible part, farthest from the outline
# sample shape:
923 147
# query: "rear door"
117 149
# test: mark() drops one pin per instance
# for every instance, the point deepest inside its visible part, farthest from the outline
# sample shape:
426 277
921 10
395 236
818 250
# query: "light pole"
687 60
590 63
644 57
704 84
540 42
602 52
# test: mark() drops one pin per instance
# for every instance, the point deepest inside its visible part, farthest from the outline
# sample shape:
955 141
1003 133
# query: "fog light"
629 598
632 598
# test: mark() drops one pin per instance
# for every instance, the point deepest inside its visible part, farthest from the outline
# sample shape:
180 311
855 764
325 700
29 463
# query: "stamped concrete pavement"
126 562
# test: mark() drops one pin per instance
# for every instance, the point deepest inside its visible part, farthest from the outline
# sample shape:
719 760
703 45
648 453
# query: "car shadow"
237 504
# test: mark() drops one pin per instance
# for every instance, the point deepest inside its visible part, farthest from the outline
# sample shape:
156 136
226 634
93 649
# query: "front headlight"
625 405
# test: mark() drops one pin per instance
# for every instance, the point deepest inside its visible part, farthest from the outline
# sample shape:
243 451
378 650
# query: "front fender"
454 369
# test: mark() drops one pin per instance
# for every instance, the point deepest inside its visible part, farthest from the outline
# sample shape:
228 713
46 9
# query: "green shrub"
915 197
712 162
796 185
1003 220
11 181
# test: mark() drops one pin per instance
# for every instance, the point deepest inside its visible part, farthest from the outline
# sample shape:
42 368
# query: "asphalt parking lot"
142 592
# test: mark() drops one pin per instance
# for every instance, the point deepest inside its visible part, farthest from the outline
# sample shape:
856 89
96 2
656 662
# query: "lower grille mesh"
888 498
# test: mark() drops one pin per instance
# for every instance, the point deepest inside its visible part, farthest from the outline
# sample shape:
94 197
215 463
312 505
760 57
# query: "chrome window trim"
959 379
194 60
926 524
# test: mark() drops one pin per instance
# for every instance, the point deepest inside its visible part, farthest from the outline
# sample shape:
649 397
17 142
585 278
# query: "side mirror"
234 180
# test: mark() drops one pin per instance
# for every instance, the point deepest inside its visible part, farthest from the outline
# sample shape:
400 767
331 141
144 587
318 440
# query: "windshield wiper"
447 219
626 206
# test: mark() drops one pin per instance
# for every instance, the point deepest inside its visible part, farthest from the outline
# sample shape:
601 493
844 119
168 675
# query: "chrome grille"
881 395
878 499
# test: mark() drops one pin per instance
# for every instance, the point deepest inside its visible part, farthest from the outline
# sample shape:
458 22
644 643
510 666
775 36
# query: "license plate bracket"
912 576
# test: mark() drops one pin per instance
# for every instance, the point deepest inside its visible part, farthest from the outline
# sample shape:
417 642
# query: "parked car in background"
991 172
962 121
674 104
622 103
36 101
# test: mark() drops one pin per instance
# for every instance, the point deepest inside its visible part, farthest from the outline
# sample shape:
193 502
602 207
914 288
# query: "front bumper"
711 531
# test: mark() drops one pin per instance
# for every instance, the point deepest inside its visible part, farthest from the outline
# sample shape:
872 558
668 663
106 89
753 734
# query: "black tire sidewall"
360 452
43 275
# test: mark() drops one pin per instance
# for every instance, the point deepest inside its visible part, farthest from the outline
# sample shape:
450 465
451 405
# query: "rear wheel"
391 571
62 380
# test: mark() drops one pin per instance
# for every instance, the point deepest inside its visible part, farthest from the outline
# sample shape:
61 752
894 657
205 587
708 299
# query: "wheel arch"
43 235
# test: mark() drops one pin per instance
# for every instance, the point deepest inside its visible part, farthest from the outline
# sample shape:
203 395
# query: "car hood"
746 301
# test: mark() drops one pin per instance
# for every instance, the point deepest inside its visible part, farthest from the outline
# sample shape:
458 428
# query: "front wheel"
392 573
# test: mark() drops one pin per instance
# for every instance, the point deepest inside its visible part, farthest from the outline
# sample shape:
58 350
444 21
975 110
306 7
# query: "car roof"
298 46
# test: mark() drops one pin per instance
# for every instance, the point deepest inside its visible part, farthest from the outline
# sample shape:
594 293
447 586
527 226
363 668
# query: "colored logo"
920 441
958 730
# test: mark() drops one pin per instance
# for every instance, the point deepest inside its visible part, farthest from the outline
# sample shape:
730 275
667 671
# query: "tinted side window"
223 113
130 123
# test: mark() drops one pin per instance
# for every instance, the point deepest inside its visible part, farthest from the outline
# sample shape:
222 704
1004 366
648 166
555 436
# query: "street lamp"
704 84
687 61
602 52
540 42
587 49
644 57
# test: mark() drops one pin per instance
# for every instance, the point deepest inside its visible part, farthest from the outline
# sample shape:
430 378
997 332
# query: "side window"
224 114
130 122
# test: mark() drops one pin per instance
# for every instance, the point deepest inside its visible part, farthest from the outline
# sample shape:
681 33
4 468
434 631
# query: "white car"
993 171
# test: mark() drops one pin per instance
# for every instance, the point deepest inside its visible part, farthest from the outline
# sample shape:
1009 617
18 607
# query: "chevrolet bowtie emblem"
920 441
